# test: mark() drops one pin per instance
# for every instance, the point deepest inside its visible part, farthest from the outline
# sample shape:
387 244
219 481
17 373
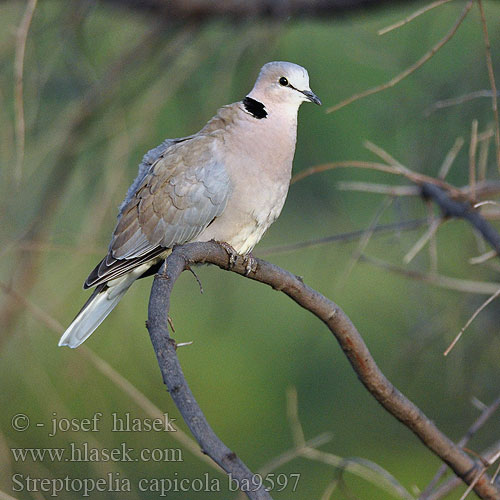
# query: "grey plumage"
228 182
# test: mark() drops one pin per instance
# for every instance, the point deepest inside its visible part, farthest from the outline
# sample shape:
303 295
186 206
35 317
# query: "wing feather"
183 190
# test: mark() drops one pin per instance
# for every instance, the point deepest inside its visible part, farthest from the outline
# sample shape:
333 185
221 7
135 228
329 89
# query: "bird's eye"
283 81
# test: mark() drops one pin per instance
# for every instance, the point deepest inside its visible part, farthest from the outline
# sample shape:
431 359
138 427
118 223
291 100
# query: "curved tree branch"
339 324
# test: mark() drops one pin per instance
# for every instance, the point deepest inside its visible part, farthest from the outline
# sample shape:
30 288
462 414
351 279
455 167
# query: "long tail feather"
97 308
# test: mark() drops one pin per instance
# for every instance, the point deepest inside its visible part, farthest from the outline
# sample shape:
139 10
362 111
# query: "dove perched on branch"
226 183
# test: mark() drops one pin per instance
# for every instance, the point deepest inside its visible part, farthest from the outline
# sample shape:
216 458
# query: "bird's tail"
95 310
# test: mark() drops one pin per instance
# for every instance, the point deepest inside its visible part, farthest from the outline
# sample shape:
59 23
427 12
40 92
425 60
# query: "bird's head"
283 83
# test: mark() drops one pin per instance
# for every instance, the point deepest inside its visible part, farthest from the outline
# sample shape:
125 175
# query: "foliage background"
96 98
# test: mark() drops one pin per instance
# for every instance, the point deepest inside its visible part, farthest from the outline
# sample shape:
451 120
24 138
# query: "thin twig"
22 35
363 243
455 101
344 237
471 319
409 70
495 475
431 231
384 155
433 251
472 159
292 412
467 286
450 158
411 17
484 147
381 167
370 187
481 259
479 475
330 489
491 75
342 164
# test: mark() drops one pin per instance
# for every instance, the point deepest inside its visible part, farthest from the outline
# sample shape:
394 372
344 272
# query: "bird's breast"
259 168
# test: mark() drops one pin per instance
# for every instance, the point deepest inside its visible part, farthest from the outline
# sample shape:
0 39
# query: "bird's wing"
175 199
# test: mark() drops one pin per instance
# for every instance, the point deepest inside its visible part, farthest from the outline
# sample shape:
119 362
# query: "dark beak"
311 96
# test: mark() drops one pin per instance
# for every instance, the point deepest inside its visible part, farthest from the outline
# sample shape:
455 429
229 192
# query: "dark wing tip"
93 277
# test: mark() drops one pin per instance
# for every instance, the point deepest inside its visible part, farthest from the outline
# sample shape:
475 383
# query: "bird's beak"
311 96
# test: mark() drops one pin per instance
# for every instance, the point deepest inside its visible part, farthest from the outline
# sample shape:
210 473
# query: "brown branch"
339 324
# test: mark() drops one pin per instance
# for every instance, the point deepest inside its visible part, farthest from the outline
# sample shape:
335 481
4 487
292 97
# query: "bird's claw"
231 252
250 264
249 260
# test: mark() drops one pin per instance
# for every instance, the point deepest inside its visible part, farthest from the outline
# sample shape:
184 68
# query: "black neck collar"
255 108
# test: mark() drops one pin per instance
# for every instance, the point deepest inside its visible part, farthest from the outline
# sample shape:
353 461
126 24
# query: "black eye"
283 81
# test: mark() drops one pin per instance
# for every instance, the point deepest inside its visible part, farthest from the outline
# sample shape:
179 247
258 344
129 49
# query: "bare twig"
409 70
433 251
384 155
370 187
22 35
471 319
343 237
450 158
481 259
472 159
421 242
491 75
455 101
467 286
338 323
363 243
381 167
411 17
292 413
484 146
341 164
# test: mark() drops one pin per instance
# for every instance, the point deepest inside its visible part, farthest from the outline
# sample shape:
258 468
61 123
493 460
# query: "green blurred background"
102 85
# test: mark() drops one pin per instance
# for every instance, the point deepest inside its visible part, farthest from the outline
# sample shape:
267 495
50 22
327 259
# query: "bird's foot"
250 264
249 260
231 252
